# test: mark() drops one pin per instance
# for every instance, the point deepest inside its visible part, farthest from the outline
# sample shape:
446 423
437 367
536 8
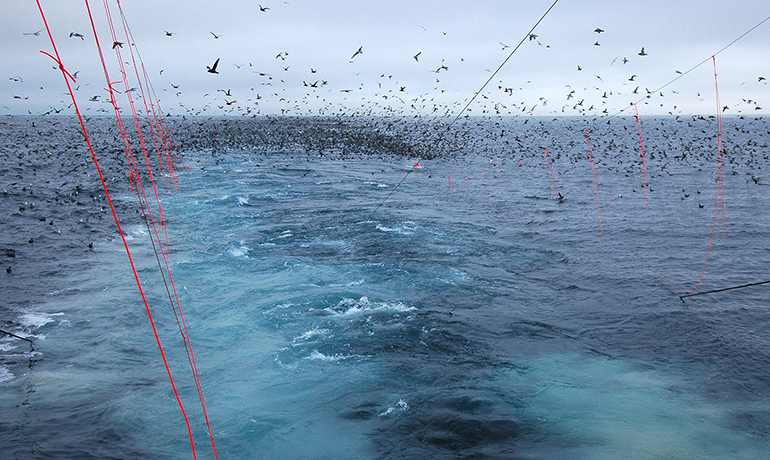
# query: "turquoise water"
473 315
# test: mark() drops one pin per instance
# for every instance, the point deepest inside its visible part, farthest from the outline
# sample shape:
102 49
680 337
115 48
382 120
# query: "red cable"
66 74
596 184
644 164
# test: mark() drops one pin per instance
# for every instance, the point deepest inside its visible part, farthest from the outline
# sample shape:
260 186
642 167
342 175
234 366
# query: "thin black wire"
724 289
459 114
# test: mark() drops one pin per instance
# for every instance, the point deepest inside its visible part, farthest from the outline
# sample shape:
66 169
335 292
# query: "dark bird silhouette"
117 44
642 53
760 79
360 51
215 35
213 69
597 44
532 37
417 56
168 34
33 33
632 77
75 34
598 30
263 8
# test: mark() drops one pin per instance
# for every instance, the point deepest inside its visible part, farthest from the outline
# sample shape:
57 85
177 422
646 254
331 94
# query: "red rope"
549 169
66 74
644 164
596 184
720 177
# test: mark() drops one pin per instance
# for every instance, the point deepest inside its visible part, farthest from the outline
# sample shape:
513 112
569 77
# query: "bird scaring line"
459 114
65 74
692 68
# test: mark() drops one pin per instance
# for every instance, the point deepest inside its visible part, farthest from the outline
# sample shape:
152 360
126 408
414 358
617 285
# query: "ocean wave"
348 307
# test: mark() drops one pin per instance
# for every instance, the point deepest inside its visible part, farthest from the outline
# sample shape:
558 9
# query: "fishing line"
596 184
681 297
692 68
719 178
457 117
31 345
144 204
67 77
641 144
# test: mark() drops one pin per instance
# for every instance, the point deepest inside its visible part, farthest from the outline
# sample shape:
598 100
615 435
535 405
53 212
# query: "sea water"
359 307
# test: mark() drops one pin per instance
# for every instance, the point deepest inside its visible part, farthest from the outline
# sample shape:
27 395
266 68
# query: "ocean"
493 302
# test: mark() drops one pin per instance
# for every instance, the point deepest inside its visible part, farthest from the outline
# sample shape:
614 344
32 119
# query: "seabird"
642 53
262 8
75 34
360 51
33 33
215 35
417 56
598 30
213 69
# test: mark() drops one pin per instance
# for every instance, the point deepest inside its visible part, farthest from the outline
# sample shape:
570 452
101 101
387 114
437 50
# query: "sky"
297 57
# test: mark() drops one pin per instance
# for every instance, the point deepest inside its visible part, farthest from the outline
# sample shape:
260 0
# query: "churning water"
473 315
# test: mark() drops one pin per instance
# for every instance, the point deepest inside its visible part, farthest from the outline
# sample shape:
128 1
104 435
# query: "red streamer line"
720 179
596 184
549 169
644 163
65 75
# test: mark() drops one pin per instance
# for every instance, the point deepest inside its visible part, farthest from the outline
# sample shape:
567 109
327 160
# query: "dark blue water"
472 315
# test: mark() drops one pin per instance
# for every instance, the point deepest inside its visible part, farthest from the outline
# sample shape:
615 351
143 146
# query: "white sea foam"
318 356
36 319
309 335
407 228
346 307
5 374
240 251
401 406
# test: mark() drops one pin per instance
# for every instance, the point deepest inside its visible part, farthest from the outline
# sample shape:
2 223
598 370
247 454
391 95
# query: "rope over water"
475 95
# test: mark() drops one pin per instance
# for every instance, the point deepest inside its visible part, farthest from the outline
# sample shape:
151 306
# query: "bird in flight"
117 45
598 30
360 51
417 56
642 53
33 33
263 8
215 35
213 69
75 34
168 34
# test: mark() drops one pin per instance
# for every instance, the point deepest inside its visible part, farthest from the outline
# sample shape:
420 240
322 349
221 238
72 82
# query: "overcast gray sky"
459 44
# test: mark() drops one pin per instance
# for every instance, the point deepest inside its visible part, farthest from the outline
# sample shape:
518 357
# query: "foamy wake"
401 406
347 307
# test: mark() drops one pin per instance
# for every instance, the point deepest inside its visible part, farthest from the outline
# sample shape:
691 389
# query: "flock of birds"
278 90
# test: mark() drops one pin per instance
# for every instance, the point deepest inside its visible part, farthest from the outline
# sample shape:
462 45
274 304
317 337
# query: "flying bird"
117 44
532 37
168 34
417 56
78 35
263 8
642 53
33 33
213 69
215 35
598 30
360 51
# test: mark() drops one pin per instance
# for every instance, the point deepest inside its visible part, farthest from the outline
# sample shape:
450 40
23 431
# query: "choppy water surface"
473 315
